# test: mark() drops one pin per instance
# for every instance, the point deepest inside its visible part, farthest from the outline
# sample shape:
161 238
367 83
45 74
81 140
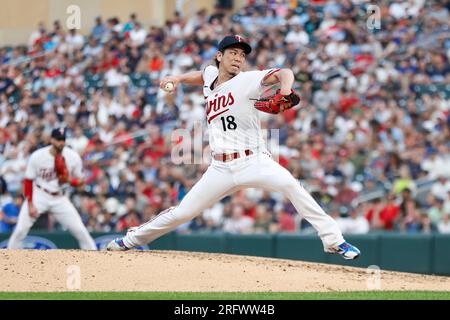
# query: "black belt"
49 192
225 157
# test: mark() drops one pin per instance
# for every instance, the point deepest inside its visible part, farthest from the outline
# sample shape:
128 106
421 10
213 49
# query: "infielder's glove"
61 168
278 103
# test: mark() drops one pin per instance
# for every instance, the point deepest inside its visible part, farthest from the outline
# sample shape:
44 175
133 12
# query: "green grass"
354 295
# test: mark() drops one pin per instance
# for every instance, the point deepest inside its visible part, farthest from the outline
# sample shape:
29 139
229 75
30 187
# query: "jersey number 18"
228 123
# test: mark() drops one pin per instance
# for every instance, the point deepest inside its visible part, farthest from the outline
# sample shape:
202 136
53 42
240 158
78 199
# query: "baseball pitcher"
48 170
239 155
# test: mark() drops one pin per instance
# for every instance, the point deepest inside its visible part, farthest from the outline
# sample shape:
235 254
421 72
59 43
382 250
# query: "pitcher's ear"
219 56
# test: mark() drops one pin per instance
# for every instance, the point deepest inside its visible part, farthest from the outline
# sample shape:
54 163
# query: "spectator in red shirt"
131 219
286 222
122 136
156 63
383 214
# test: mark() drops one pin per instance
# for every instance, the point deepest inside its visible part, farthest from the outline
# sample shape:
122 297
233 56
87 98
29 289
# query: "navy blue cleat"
346 250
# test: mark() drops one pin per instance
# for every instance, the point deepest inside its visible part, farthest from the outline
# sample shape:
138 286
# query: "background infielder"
48 169
239 155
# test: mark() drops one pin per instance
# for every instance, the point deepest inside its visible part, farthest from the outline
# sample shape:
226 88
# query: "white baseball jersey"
234 126
41 167
233 121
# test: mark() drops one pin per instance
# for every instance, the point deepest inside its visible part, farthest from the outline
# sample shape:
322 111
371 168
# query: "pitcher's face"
231 60
58 144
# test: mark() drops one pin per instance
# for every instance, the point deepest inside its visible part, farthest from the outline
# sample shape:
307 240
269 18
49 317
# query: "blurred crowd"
370 139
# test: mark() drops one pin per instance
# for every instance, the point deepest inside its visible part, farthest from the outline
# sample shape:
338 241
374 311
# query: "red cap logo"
238 38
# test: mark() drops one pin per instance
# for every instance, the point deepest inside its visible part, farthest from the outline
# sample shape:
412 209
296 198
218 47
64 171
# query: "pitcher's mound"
58 270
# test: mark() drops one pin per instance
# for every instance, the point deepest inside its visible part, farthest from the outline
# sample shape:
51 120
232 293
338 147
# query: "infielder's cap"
59 133
234 40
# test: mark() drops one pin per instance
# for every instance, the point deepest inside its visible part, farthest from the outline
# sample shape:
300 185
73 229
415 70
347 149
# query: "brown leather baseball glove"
277 103
61 168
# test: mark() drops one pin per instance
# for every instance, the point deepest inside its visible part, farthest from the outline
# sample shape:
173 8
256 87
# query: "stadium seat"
140 80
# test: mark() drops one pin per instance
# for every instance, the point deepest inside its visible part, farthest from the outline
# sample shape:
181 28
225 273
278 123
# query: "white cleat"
116 245
346 250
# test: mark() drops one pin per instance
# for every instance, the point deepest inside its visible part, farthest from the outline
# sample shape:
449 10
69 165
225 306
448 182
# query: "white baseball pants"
224 178
63 211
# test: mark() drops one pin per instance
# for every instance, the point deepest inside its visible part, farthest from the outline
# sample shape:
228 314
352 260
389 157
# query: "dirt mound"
56 270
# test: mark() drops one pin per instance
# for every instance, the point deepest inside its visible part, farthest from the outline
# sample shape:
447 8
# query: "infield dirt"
52 270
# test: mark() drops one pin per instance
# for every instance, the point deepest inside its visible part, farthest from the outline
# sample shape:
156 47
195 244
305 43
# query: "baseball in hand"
168 87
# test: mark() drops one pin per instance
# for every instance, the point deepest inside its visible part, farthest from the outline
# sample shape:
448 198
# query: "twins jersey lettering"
41 167
233 121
